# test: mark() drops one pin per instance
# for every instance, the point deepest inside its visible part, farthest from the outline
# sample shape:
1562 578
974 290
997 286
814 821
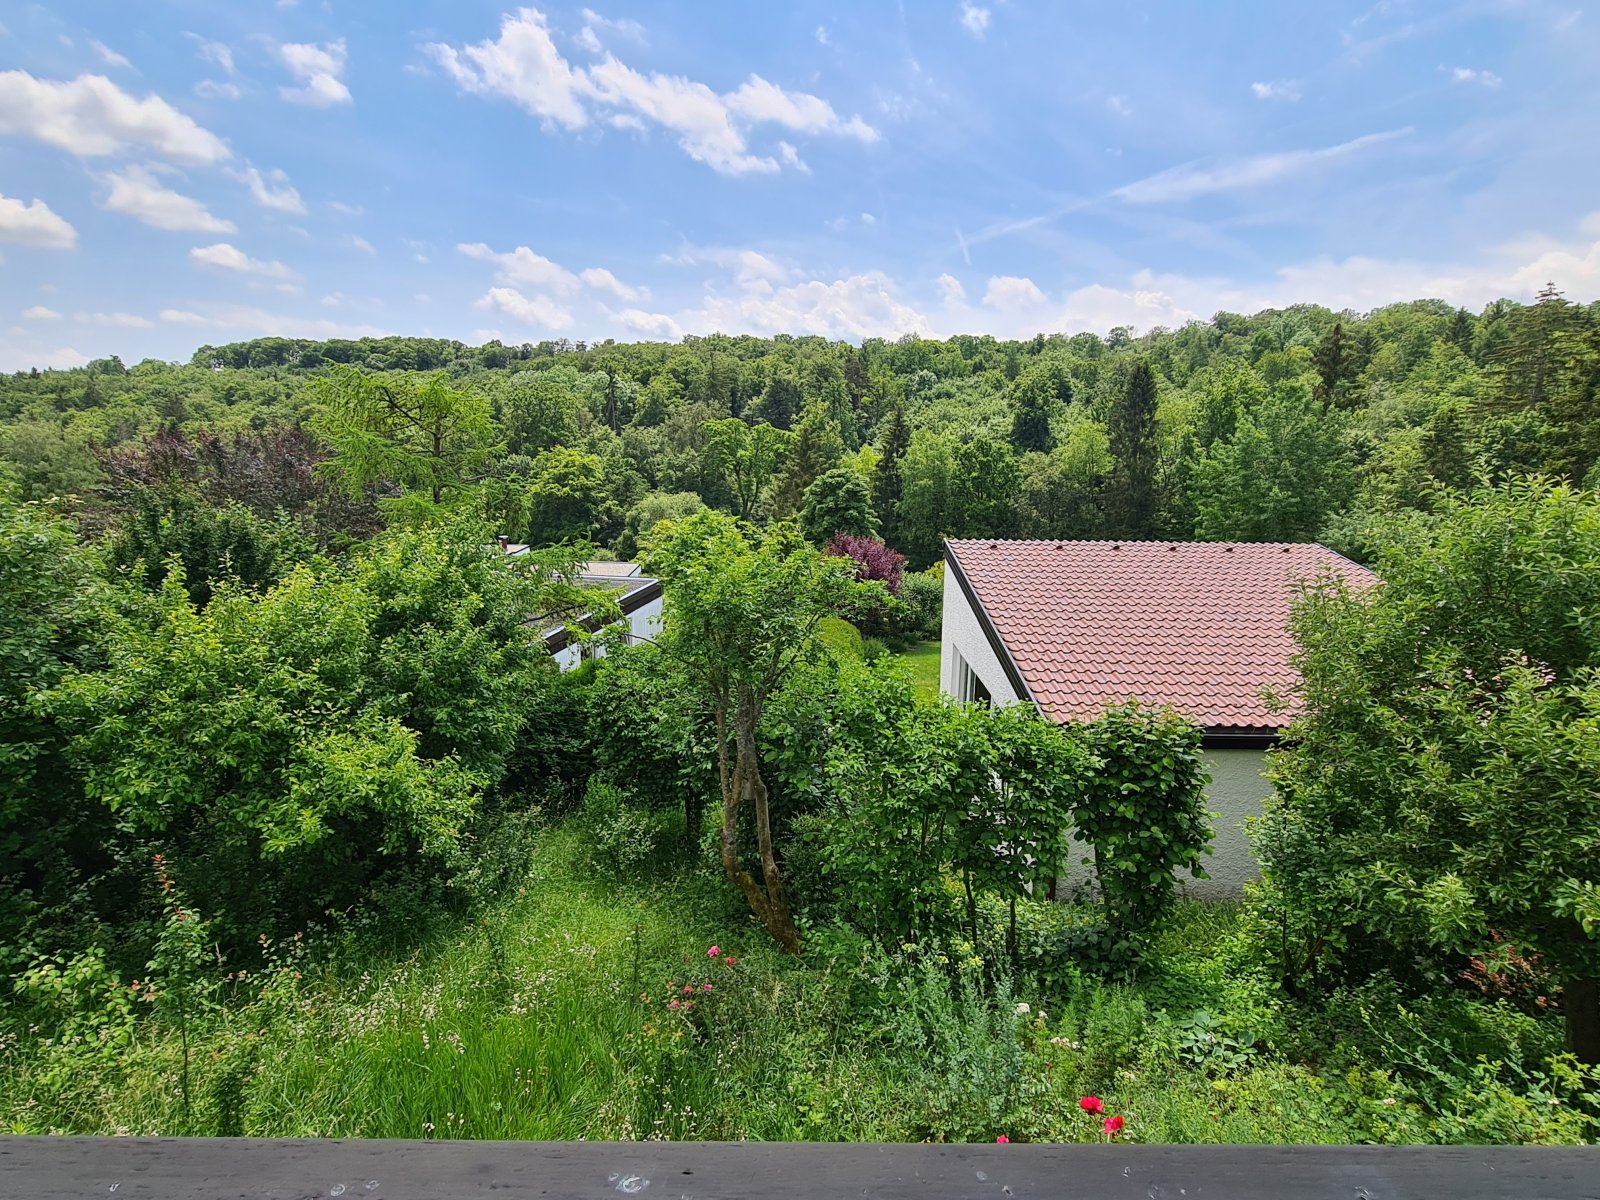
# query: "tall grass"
559 1013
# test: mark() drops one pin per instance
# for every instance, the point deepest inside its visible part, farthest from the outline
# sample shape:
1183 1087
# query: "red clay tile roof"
1199 626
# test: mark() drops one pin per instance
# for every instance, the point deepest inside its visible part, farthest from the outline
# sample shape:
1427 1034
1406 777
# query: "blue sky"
175 172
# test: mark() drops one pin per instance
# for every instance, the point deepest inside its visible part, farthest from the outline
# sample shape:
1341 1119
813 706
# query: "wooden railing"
211 1169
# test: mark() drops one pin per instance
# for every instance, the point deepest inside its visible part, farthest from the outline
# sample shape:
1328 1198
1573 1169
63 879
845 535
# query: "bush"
1144 813
922 594
622 837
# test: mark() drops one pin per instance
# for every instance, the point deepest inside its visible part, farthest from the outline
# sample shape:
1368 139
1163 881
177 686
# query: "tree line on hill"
1288 425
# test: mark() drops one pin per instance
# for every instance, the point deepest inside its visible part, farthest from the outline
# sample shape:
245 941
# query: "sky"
182 172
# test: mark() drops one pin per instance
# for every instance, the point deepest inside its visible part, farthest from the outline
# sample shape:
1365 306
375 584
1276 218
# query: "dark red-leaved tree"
873 559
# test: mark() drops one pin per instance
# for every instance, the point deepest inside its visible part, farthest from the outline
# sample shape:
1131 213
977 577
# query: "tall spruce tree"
887 479
1332 362
1131 423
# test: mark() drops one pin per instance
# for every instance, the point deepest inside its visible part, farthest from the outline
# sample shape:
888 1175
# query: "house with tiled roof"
1200 627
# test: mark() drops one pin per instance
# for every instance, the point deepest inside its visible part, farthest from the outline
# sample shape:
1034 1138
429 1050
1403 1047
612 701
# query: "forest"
302 833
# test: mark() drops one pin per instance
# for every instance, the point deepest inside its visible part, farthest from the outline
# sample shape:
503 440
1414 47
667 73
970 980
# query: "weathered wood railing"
212 1169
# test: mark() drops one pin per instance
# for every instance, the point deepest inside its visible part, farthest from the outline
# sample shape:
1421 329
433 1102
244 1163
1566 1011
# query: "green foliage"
742 612
1143 813
927 804
208 544
340 726
416 434
1278 477
646 738
1438 790
623 838
839 501
1131 490
52 600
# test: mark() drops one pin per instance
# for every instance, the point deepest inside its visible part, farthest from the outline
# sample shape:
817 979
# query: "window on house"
969 688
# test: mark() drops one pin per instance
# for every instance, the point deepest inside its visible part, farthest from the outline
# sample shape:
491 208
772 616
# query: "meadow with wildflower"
583 1006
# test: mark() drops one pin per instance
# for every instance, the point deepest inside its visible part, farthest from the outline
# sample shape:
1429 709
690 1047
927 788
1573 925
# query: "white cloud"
523 266
975 20
346 210
256 322
601 280
215 53
791 157
524 66
115 320
757 99
1191 179
135 192
318 67
538 311
109 56
40 313
216 89
34 224
1008 292
360 243
950 289
271 189
822 36
1119 105
866 305
13 358
90 116
229 258
657 326
1283 89
1486 79
751 269
589 39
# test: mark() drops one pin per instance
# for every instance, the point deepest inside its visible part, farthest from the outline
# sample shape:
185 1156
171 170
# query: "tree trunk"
1580 1001
743 783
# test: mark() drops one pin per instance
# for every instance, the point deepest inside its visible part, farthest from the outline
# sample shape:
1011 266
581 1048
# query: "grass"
558 1013
923 662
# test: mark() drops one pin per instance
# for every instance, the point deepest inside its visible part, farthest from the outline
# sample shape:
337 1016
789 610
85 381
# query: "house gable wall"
962 634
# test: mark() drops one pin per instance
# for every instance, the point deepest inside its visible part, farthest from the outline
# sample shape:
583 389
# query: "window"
969 689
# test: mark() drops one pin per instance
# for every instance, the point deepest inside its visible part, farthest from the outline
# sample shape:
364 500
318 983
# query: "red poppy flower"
1092 1104
1113 1124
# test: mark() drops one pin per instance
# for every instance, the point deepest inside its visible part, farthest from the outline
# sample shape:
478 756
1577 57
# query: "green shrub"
1144 814
623 837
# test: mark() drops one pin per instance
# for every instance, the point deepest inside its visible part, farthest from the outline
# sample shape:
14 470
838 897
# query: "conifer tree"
1332 362
1131 423
887 481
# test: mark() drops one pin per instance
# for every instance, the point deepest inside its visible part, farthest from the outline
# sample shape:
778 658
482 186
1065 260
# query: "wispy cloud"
975 19
1481 78
1199 179
1283 89
136 192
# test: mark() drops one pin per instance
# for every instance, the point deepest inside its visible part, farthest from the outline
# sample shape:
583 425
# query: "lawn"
923 661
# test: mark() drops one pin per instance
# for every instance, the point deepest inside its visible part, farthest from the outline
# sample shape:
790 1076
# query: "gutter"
996 642
559 639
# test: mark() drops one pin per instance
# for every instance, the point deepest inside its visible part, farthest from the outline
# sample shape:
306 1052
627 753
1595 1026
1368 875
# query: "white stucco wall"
961 634
1237 789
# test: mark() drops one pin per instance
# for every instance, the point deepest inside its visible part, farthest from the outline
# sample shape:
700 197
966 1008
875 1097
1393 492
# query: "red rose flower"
1092 1104
1113 1124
